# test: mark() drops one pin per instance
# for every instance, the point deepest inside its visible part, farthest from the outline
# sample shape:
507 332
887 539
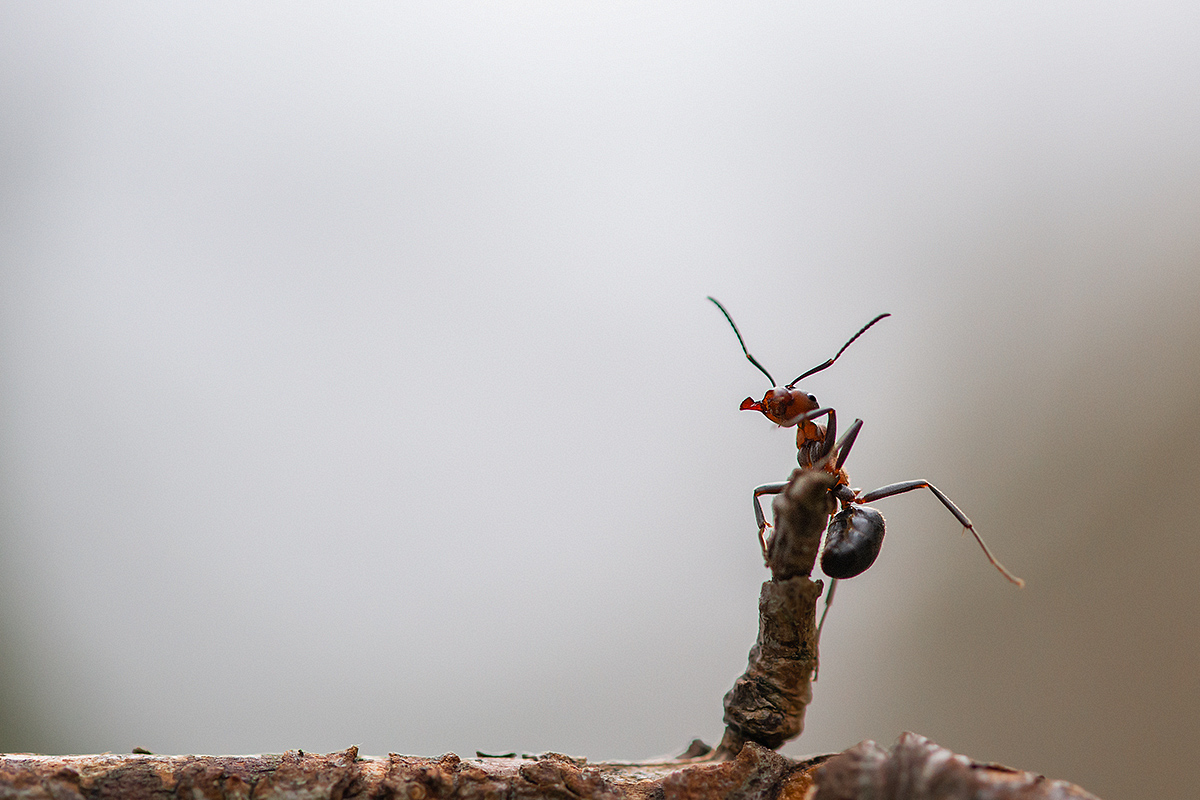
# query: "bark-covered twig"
766 704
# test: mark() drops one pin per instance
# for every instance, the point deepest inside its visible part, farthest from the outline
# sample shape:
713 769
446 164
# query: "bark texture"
915 769
918 769
767 703
756 774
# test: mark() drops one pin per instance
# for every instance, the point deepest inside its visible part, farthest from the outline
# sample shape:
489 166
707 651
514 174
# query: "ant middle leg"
759 517
908 486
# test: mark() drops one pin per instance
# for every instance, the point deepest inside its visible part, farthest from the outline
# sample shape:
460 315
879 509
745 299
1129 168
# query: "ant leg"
830 429
833 582
830 435
806 416
908 486
759 517
842 448
821 625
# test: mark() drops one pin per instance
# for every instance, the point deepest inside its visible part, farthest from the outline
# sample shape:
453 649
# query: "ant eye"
813 398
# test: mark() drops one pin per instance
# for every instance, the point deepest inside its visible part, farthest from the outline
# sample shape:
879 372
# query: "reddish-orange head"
782 405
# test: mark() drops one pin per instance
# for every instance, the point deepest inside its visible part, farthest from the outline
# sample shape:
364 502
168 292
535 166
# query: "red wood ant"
855 534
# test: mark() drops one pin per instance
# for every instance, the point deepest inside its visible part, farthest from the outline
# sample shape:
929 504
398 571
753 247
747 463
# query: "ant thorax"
810 441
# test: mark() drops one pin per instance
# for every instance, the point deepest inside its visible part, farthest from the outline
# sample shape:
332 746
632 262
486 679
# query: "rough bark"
915 769
756 774
766 704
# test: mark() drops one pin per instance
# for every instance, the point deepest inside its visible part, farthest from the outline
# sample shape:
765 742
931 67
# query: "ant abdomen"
852 541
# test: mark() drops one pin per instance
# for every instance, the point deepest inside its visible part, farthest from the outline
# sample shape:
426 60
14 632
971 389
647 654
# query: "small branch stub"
917 769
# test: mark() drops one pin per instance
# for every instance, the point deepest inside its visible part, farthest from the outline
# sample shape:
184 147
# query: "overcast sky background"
357 384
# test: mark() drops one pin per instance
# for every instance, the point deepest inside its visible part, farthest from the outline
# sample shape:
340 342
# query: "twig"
766 704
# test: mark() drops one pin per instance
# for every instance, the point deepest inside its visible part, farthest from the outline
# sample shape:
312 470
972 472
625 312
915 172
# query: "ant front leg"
830 434
842 450
908 486
843 447
759 517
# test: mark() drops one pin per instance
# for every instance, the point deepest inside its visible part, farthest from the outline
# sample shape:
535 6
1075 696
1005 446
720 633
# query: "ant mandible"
855 534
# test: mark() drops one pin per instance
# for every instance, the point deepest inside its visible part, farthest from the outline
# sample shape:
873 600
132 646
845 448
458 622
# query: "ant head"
783 405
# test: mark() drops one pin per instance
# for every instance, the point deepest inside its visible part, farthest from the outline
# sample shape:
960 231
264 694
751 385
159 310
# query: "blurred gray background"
357 384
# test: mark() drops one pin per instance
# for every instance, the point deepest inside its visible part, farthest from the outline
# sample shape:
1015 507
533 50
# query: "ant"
855 534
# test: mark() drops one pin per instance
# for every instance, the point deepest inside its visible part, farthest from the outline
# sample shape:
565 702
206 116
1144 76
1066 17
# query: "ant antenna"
754 361
828 363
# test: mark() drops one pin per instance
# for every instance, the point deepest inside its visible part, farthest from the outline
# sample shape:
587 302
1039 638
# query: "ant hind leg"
833 582
908 486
